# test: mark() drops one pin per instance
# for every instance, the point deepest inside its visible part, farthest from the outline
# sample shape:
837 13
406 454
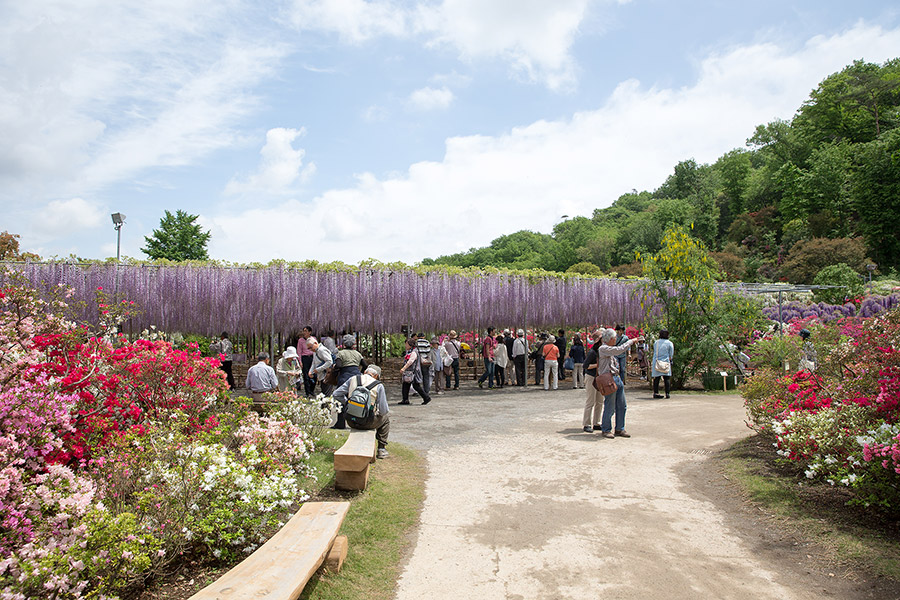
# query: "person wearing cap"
451 345
807 353
488 344
349 361
288 369
261 377
382 423
519 355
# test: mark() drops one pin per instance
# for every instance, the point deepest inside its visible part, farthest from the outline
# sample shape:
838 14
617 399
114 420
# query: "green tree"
840 274
808 257
734 169
178 238
681 281
585 268
876 197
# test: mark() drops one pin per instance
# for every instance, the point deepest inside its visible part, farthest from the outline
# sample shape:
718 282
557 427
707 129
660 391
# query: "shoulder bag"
605 384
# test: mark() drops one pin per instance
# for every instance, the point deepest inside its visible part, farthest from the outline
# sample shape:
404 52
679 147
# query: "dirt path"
520 503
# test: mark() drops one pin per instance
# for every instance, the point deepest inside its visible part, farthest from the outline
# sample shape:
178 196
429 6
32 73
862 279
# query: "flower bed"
120 459
840 422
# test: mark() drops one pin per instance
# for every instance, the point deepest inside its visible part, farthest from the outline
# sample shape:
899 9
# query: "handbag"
662 366
569 364
605 384
409 375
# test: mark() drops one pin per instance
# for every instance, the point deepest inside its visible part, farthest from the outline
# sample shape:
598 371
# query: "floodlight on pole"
118 220
871 269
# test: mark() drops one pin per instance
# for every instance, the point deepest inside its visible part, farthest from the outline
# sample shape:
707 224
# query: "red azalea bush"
841 422
120 457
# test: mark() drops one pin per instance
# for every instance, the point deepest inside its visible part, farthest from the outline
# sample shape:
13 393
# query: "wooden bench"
280 568
352 460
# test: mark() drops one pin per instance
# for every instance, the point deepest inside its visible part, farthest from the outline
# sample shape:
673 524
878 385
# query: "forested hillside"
819 190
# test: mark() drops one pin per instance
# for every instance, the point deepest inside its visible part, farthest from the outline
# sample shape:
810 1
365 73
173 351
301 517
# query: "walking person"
577 354
614 402
519 356
411 373
551 363
451 345
593 406
437 365
501 361
488 344
661 366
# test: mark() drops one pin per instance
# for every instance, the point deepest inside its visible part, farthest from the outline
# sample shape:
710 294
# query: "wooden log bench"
352 460
280 568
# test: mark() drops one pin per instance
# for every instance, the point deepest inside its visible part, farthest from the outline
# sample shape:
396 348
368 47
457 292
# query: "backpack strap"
373 385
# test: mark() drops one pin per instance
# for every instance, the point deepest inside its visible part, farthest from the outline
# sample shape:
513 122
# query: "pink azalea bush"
841 422
119 458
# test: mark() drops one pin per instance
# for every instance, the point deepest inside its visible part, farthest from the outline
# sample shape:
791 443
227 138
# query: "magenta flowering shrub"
841 422
119 458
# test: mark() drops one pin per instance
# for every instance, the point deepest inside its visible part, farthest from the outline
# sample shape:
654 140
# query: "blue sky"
350 129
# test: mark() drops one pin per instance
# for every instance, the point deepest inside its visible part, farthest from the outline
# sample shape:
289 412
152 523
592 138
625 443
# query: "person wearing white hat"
288 369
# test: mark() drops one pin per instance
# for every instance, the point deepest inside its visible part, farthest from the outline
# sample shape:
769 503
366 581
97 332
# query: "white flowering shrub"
312 416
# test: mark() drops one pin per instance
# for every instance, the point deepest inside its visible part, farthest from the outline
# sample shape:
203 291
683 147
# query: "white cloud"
429 98
281 166
62 217
533 36
486 186
93 92
354 20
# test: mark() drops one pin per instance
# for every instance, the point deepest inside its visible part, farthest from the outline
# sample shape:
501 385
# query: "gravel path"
520 503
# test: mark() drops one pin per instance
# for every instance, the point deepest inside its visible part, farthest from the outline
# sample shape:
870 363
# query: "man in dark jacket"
561 344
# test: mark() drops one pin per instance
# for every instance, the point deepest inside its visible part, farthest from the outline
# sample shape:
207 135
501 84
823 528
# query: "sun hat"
289 352
452 334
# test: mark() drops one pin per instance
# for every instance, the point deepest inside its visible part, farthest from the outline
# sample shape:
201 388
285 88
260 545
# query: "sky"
396 130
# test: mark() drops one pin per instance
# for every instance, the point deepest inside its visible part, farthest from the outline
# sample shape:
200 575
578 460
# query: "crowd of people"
596 364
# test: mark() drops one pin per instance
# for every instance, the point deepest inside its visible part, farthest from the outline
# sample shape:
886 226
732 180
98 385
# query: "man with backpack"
364 405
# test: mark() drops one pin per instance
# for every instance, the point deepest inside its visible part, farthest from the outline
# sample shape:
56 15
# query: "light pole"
871 269
118 220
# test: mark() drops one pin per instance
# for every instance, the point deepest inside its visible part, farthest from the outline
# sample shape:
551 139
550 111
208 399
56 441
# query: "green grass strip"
378 526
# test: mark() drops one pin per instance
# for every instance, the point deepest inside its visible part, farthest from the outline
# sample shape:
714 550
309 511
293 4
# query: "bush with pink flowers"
842 421
119 458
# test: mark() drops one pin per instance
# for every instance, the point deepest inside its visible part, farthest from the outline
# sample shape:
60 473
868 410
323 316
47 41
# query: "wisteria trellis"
207 299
